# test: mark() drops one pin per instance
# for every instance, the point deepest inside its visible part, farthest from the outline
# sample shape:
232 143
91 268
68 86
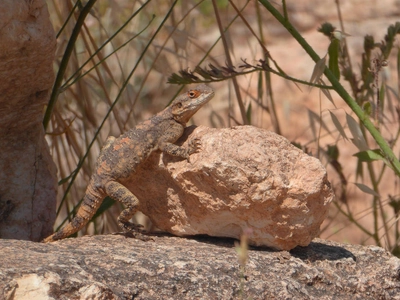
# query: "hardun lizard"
120 156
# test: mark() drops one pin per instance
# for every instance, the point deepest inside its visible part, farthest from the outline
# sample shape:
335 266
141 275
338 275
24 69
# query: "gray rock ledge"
119 267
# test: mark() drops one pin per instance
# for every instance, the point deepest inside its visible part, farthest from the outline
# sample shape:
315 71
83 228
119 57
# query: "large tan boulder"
244 180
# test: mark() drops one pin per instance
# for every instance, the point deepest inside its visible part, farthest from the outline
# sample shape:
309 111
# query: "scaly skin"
120 157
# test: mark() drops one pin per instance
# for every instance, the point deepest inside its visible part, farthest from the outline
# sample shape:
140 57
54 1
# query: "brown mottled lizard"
120 157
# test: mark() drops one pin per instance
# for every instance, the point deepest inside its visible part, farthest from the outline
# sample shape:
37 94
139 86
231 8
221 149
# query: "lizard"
119 158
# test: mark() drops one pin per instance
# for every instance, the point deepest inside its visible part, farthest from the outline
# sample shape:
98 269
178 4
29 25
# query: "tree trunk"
27 172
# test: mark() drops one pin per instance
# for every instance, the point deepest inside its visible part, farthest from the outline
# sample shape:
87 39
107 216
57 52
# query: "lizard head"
187 104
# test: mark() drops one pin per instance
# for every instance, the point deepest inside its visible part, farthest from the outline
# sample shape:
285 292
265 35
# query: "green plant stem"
338 88
377 201
64 62
375 207
284 8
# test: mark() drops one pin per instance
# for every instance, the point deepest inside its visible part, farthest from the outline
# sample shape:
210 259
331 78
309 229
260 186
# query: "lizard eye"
193 94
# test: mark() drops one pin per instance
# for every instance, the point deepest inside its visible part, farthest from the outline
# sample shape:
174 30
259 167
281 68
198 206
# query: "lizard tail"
91 202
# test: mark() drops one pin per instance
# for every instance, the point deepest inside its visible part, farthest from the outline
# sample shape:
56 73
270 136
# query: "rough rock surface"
27 177
116 267
245 179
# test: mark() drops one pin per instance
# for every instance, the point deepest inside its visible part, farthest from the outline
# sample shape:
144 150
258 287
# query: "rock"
28 175
244 180
116 267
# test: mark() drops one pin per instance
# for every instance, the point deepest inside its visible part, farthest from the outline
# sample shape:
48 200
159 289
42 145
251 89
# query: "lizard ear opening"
178 111
177 108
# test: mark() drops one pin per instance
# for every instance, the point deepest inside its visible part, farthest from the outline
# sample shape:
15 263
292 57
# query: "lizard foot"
194 146
128 226
139 235
135 230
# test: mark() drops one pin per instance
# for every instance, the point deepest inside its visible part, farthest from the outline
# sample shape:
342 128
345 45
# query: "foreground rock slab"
244 180
119 267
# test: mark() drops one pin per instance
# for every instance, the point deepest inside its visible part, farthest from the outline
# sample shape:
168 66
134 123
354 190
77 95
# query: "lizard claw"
139 236
135 230
193 147
128 226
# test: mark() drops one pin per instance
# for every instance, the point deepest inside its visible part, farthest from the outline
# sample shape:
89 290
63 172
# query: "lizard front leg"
194 146
120 193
